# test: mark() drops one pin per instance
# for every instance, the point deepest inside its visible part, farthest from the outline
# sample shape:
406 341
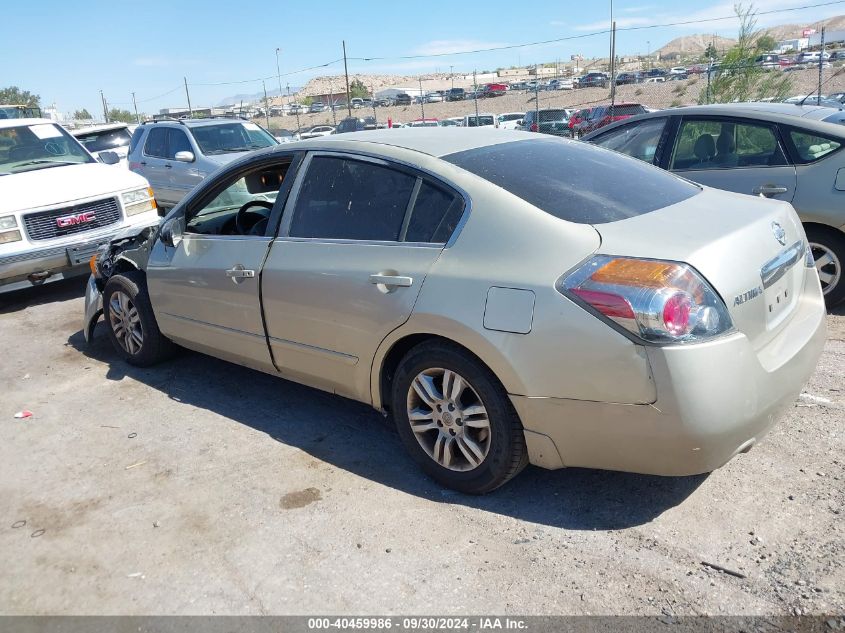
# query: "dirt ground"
198 487
654 95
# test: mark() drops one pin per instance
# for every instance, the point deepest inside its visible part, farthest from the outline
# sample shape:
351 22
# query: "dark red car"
494 90
605 115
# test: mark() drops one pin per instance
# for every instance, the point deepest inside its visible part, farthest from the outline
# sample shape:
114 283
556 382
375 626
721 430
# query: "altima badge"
780 234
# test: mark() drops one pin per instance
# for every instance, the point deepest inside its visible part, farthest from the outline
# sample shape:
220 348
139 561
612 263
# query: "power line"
592 34
288 74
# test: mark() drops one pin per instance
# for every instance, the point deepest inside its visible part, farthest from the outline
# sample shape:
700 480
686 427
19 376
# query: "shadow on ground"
355 438
55 291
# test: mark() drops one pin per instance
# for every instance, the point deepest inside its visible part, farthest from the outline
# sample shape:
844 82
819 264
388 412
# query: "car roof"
5 123
196 122
434 141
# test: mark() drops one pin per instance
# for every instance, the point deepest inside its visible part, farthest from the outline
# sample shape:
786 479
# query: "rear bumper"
714 401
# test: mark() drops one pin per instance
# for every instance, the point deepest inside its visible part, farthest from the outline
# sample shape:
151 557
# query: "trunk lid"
750 250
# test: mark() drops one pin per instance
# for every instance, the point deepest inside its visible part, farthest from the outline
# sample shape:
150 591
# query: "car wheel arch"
394 347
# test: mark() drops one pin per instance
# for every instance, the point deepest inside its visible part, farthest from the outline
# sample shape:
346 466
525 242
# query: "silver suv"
176 155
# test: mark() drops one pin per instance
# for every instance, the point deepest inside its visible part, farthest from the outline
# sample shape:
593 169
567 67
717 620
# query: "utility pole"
373 94
279 77
612 66
648 55
452 75
266 104
332 103
135 105
475 96
297 109
346 73
105 107
612 29
537 96
821 64
422 99
188 94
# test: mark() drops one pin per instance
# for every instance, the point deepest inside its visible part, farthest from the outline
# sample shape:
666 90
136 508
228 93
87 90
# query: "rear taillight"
656 301
535 127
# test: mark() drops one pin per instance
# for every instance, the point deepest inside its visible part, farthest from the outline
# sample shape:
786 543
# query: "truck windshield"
29 147
231 137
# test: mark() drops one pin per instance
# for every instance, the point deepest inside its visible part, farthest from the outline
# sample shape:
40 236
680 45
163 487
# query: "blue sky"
68 52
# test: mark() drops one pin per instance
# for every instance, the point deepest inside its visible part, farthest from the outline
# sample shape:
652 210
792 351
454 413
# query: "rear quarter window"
809 147
574 181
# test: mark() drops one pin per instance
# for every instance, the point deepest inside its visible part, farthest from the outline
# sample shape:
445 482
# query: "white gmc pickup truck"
58 204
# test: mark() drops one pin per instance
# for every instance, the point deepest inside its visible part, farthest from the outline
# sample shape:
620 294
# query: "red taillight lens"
657 301
535 127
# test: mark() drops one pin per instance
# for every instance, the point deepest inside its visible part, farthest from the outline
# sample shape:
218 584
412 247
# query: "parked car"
284 136
813 99
483 119
519 85
494 90
608 334
779 151
577 117
424 123
356 103
175 156
355 124
317 106
553 121
603 115
594 80
58 204
629 78
767 60
455 94
111 137
317 131
433 97
678 70
509 120
297 108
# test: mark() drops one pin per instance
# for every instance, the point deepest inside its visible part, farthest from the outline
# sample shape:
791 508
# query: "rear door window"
342 198
639 140
178 142
575 181
725 144
156 144
435 215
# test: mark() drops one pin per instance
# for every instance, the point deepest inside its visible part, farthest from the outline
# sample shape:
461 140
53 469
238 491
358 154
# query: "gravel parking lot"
201 487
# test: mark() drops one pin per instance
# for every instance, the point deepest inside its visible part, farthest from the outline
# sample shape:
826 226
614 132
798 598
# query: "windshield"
19 112
100 140
29 147
231 137
480 120
575 181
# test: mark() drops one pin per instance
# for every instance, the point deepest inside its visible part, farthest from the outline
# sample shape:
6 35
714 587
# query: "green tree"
358 89
738 77
710 52
124 116
82 115
766 43
15 96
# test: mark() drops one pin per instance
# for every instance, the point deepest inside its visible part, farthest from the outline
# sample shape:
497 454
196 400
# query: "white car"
111 137
58 204
317 131
483 119
508 120
433 97
678 70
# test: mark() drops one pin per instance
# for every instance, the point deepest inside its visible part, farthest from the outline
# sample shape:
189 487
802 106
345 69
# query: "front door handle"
238 273
391 280
769 190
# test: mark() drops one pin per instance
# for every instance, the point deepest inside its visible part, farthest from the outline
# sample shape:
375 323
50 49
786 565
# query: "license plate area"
81 253
778 297
781 278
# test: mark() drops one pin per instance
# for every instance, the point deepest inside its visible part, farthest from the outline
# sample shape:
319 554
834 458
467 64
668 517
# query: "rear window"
626 110
552 115
574 181
100 140
479 121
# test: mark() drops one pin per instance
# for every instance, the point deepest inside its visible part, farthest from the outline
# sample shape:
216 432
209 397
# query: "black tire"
834 241
507 454
154 346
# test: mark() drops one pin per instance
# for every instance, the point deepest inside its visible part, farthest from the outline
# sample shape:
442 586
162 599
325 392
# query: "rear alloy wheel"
828 249
130 321
456 420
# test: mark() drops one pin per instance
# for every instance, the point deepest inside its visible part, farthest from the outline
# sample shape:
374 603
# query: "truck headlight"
9 236
138 201
8 222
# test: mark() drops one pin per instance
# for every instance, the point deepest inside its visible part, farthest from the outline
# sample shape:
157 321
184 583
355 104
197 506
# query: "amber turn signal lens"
92 264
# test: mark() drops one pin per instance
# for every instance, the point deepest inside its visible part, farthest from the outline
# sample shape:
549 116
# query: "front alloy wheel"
448 419
125 322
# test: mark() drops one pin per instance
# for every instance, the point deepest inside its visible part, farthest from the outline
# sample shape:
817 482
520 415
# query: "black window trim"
742 120
407 168
661 142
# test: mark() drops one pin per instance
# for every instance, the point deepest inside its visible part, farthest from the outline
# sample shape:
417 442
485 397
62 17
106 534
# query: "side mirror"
520 122
184 157
109 158
171 231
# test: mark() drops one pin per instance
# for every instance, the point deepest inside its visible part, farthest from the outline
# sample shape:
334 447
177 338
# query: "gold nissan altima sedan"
509 298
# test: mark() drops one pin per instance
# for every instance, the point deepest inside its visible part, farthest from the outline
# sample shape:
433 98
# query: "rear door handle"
144 163
391 280
238 273
769 190
168 166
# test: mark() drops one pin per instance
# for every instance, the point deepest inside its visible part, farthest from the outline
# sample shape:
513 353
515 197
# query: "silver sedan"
508 298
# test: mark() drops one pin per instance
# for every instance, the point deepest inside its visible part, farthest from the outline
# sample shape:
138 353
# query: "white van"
58 204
